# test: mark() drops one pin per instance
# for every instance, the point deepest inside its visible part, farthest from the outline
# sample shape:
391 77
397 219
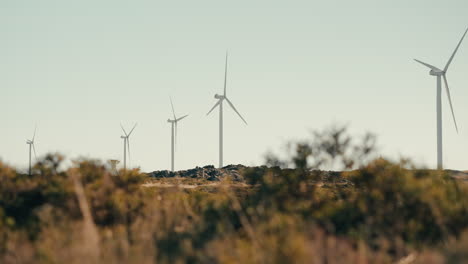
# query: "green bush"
388 201
374 201
21 195
113 199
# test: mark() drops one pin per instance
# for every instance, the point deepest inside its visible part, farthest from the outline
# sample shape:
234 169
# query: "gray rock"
208 172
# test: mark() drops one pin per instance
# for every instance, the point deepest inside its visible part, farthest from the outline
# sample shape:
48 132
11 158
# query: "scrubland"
289 211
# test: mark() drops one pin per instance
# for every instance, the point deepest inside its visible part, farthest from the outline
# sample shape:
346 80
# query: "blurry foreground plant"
291 211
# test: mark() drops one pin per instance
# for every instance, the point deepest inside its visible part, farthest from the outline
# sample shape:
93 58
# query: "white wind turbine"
174 132
221 98
442 74
30 142
126 139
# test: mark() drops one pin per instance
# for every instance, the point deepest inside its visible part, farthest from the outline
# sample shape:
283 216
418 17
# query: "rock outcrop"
209 172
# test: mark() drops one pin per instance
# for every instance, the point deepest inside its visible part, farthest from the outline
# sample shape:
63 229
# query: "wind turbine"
442 74
174 132
30 142
221 98
126 139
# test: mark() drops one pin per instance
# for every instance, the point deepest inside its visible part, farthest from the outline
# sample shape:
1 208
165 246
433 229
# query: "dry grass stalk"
90 233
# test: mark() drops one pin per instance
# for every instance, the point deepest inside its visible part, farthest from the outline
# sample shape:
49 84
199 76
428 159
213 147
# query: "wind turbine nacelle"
217 96
122 136
436 73
169 121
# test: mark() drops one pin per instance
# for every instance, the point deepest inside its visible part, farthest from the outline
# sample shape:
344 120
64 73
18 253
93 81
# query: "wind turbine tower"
174 133
441 74
30 142
221 99
126 139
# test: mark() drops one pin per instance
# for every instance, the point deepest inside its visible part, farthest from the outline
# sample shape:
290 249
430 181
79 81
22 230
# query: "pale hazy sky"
79 68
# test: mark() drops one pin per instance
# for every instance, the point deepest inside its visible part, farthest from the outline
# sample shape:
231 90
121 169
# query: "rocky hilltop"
235 173
209 172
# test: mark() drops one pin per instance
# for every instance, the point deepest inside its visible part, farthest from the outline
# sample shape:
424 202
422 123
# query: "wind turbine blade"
34 149
225 73
236 110
175 136
132 129
428 65
34 135
219 101
173 112
456 49
180 118
450 102
125 132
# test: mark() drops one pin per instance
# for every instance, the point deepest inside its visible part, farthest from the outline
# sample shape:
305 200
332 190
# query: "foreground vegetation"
381 212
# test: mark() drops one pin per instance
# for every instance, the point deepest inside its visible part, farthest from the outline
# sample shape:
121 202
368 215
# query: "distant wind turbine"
30 142
442 74
126 139
174 132
221 98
